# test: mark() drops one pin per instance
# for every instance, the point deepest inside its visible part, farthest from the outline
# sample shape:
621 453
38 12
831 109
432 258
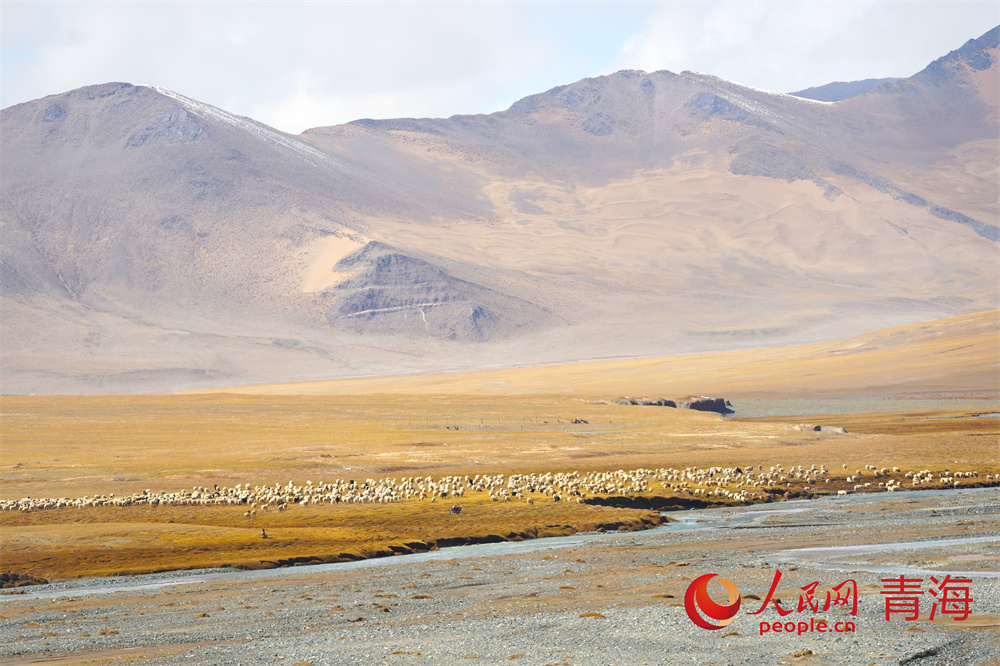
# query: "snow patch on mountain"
272 136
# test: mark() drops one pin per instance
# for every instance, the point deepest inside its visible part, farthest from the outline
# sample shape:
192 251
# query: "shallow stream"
733 518
860 405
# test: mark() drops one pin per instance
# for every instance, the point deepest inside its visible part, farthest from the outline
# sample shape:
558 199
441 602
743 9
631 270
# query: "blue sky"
296 65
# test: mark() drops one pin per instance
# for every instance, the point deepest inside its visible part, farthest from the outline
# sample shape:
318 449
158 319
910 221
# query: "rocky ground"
587 599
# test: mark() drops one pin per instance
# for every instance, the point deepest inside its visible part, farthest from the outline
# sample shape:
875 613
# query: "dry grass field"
74 446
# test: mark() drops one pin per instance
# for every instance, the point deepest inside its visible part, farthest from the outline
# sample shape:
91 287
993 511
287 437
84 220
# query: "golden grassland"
76 446
109 541
956 355
558 418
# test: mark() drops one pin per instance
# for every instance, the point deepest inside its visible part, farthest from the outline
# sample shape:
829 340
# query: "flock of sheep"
736 484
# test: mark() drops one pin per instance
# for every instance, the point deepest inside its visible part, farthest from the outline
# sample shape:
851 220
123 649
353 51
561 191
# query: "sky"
296 65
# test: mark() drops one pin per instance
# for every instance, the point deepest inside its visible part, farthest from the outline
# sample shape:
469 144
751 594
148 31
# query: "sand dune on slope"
955 355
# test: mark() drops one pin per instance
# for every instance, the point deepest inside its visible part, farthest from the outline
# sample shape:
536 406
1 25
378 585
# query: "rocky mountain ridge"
154 242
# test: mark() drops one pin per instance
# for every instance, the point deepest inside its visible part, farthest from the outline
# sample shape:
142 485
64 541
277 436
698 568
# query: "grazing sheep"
729 483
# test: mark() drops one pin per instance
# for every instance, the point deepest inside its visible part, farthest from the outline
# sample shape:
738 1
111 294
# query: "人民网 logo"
697 602
948 595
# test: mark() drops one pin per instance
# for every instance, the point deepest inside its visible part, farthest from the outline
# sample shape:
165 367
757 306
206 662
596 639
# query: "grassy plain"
71 446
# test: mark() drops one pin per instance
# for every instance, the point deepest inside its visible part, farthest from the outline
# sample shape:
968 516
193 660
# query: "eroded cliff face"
698 403
386 291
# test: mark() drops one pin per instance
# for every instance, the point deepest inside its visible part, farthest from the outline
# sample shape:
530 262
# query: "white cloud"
793 45
261 56
298 65
312 63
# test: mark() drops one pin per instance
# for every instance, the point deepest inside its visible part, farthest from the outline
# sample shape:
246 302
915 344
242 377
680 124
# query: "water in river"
734 518
860 405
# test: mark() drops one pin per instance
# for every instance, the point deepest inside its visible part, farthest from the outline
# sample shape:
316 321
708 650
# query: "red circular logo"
696 599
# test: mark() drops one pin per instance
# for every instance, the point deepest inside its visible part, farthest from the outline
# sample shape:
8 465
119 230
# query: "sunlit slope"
155 243
955 355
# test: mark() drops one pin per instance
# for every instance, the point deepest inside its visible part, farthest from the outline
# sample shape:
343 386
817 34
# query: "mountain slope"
955 355
153 242
150 239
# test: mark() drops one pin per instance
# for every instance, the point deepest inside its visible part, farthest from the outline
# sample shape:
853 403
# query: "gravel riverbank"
590 599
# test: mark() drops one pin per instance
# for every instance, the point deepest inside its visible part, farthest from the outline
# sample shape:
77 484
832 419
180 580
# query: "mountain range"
152 242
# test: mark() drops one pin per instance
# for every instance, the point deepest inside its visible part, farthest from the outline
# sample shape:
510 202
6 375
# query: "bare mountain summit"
152 242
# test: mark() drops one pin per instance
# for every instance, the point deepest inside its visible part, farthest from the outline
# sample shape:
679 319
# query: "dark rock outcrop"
699 403
706 404
392 292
